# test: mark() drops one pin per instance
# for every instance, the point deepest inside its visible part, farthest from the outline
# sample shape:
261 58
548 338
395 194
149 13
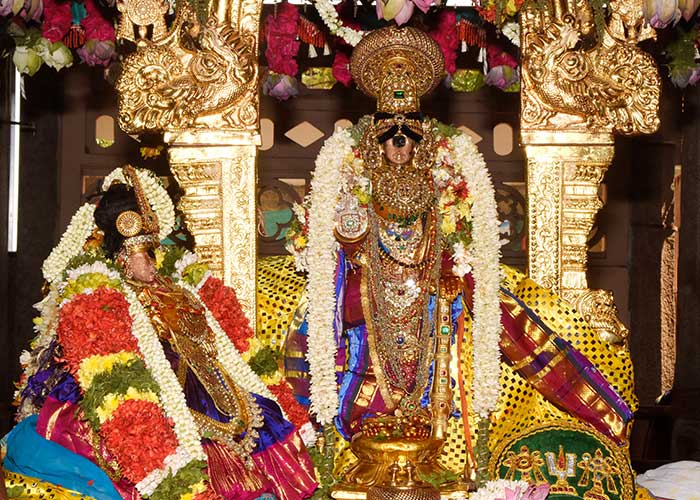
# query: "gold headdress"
397 66
140 229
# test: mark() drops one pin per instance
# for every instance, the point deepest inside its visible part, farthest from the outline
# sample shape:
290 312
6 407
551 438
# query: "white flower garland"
482 258
321 259
485 256
330 17
154 192
81 226
171 395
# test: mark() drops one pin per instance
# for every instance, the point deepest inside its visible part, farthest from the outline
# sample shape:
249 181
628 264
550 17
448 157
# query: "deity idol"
134 387
409 313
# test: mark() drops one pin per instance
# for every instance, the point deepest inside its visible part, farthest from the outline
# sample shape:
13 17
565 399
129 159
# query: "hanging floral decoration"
47 31
447 38
312 35
282 48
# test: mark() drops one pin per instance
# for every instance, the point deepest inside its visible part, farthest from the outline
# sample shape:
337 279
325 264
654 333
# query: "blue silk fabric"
31 455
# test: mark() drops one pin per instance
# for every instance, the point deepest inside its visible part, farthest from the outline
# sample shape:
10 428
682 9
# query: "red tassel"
75 38
310 33
471 34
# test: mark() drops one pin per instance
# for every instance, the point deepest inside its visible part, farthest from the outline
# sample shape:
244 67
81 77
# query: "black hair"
117 199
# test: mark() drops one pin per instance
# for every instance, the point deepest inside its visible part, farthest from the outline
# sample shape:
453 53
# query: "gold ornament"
149 218
397 66
143 14
129 223
612 86
198 75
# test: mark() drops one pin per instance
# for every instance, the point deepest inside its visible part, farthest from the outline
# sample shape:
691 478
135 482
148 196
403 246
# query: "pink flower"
341 68
282 45
498 57
661 13
447 38
57 20
281 87
97 52
96 26
502 77
688 8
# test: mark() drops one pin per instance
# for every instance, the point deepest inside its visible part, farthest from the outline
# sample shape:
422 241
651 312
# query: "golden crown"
397 66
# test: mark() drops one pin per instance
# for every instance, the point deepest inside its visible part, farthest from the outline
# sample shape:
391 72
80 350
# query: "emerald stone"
445 330
399 94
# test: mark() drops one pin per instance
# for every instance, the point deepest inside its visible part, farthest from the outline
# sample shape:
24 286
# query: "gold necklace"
395 305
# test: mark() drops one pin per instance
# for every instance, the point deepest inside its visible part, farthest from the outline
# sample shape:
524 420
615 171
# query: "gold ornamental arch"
197 83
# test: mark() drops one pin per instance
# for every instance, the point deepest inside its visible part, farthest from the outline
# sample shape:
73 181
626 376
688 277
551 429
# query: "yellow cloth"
23 487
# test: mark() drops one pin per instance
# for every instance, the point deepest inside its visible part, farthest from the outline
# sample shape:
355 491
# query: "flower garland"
81 226
129 387
483 256
228 315
321 258
330 17
470 225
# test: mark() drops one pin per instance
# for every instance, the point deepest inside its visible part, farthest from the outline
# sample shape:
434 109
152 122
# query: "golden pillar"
573 99
217 175
196 83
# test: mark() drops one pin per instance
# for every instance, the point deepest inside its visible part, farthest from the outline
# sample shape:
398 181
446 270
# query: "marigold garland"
139 437
96 323
223 304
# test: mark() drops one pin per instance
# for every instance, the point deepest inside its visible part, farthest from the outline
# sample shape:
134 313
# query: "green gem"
445 330
399 94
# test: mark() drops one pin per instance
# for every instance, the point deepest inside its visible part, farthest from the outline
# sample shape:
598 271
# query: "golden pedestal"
392 469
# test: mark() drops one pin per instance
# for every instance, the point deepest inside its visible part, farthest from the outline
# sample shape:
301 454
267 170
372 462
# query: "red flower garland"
140 438
223 304
447 38
282 45
57 20
96 323
296 413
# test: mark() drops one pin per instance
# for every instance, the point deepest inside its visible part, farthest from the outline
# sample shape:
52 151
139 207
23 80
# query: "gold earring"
129 223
